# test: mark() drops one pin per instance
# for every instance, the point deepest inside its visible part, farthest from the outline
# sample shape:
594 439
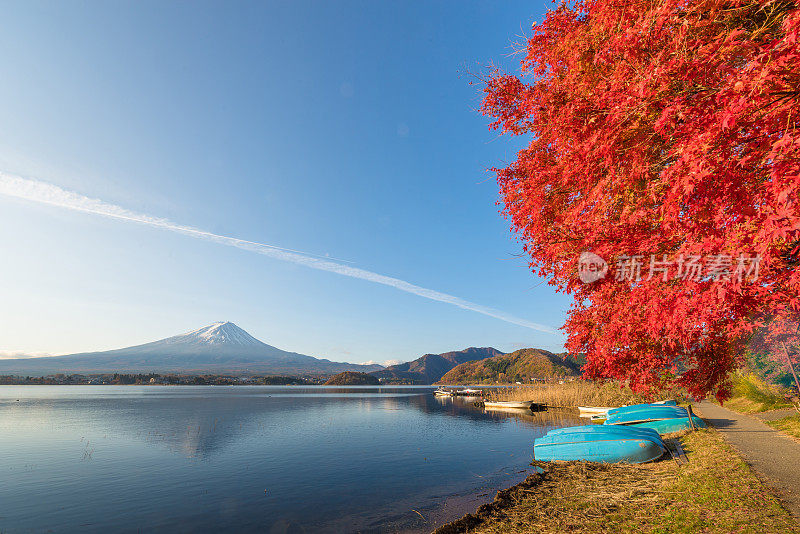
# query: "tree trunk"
791 367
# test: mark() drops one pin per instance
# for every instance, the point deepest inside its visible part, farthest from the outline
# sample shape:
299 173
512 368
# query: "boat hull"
593 411
644 414
505 405
452 392
606 446
640 407
587 411
613 430
667 426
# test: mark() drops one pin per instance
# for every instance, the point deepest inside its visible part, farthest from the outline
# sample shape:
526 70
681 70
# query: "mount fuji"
217 348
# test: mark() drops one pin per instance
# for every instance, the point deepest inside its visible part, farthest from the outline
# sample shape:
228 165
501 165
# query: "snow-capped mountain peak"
221 333
217 348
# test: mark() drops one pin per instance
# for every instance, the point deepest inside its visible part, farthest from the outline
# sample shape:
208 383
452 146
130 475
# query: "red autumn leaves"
659 128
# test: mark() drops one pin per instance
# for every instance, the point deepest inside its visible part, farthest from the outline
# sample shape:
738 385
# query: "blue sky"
346 129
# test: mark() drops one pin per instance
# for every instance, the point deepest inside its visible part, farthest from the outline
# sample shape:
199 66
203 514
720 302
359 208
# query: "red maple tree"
662 129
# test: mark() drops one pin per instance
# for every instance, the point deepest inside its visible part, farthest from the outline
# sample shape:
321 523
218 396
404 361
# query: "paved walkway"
770 453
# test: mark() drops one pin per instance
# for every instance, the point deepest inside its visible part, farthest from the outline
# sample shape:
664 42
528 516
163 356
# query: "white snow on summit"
222 333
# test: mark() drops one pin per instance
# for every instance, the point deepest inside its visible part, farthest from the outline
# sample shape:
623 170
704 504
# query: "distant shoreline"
128 379
154 379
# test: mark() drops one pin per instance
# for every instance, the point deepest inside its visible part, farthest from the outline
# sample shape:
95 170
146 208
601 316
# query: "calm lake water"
259 459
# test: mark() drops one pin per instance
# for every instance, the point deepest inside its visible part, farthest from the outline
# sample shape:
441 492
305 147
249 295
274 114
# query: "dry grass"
715 492
572 394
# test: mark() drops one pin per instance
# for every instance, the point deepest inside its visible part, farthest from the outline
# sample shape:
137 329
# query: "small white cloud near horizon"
22 354
385 363
46 193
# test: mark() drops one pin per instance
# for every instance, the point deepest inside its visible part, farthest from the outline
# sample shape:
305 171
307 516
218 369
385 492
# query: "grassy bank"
715 492
570 394
789 425
752 395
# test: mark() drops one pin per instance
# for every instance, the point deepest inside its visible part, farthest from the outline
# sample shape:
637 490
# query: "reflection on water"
271 458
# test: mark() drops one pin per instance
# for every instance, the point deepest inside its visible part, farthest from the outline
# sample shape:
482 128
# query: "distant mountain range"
521 365
220 348
430 368
224 348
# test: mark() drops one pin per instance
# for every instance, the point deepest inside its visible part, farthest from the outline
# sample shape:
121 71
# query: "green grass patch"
715 492
752 394
789 425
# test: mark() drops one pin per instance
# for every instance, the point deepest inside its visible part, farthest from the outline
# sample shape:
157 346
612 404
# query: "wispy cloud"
45 193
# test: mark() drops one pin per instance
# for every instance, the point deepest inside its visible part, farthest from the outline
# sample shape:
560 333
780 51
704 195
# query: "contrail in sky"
44 193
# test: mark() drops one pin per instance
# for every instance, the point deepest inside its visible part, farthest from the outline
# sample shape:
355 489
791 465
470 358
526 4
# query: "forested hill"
350 378
519 366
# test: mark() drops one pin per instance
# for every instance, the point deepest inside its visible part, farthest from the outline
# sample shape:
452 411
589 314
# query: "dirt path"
770 453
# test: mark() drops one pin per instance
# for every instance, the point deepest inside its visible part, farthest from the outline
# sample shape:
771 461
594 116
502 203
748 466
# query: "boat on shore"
633 407
595 411
455 392
644 414
515 405
676 424
591 411
598 443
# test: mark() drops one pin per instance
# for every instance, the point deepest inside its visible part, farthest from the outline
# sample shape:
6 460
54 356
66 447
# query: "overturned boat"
600 443
629 415
676 424
596 412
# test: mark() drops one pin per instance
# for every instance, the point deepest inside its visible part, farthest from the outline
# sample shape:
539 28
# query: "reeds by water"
572 394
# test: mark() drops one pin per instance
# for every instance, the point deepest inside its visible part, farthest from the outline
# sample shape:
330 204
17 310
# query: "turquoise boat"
635 407
600 429
666 426
645 414
596 443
